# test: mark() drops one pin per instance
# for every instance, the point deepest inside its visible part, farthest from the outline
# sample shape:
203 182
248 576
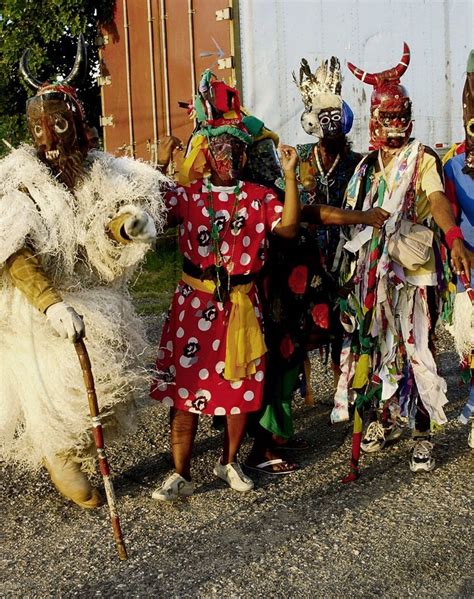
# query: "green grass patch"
154 286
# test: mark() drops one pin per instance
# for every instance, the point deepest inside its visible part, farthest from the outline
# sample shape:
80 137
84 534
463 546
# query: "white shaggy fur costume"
43 403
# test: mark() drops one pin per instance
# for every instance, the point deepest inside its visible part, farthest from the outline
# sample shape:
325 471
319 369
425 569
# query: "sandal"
268 467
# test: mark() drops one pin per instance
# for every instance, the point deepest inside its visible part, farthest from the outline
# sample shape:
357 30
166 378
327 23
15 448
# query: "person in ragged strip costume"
459 178
74 225
394 279
211 358
300 290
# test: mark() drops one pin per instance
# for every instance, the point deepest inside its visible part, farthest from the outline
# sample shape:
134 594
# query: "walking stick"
99 443
358 427
468 409
467 286
470 292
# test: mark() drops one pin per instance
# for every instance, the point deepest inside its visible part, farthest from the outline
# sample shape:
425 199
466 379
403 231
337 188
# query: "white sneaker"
174 486
421 458
374 438
232 474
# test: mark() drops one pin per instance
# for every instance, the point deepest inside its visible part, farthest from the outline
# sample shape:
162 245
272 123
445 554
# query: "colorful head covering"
321 91
390 106
217 111
468 115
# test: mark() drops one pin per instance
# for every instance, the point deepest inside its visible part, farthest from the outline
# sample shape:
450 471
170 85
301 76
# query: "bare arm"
442 212
166 148
290 218
319 214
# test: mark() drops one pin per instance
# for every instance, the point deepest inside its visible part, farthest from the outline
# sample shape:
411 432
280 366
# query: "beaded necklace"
323 176
221 273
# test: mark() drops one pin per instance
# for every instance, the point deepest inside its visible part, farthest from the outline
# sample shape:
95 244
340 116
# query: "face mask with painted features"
391 126
56 119
52 128
55 133
226 157
390 107
468 116
330 121
326 115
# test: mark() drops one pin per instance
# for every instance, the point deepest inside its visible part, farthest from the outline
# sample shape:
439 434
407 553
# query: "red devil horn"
404 61
388 74
365 77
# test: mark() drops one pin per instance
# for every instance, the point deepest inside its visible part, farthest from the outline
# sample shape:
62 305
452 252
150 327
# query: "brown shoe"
72 483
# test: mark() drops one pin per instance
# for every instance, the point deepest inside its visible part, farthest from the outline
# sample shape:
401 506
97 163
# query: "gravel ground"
390 534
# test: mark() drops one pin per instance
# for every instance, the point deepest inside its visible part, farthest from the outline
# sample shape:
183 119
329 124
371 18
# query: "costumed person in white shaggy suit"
74 225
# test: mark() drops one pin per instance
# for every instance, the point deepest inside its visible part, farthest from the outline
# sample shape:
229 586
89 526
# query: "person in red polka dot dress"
211 358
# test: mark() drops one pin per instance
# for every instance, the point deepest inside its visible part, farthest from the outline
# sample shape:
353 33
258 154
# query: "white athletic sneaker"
374 438
232 474
174 486
421 458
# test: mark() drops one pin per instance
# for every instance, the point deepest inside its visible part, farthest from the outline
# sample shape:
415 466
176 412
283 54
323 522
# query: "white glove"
140 227
66 321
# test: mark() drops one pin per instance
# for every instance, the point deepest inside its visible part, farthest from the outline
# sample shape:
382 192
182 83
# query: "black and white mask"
330 121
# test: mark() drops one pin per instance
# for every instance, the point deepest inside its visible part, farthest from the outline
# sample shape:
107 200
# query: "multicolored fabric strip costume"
390 312
391 304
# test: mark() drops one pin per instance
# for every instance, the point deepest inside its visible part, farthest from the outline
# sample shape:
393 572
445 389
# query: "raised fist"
140 227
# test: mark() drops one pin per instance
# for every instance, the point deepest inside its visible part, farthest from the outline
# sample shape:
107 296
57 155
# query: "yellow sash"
245 342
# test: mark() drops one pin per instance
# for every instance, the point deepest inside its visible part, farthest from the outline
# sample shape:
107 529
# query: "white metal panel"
276 34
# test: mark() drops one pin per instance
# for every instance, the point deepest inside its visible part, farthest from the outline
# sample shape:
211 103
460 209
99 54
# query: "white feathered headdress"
319 90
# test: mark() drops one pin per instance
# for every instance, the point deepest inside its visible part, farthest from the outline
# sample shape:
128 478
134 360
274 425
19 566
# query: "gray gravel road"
390 534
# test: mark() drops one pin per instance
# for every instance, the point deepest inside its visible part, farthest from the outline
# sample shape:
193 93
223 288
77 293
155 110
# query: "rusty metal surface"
114 96
140 76
194 41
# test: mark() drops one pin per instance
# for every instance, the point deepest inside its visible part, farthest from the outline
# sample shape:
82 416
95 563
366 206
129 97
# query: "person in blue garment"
459 182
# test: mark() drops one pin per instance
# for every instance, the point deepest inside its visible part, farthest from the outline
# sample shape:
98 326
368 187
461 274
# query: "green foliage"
153 288
50 29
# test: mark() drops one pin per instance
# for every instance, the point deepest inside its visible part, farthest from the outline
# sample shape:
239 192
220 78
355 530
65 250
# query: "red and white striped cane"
467 286
99 443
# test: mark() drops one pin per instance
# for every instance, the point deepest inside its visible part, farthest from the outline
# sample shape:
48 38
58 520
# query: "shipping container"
151 57
154 52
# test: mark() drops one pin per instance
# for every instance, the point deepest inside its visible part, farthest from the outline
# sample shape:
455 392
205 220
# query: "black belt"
211 273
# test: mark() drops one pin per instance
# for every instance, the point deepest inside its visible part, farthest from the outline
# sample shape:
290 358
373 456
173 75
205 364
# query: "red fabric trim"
225 97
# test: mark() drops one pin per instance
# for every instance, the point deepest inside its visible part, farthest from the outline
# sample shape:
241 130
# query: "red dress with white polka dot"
191 357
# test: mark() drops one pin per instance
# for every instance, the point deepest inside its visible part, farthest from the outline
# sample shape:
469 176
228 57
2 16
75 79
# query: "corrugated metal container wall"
151 58
276 34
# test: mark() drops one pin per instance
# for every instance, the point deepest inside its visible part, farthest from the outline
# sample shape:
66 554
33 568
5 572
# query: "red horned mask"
390 106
